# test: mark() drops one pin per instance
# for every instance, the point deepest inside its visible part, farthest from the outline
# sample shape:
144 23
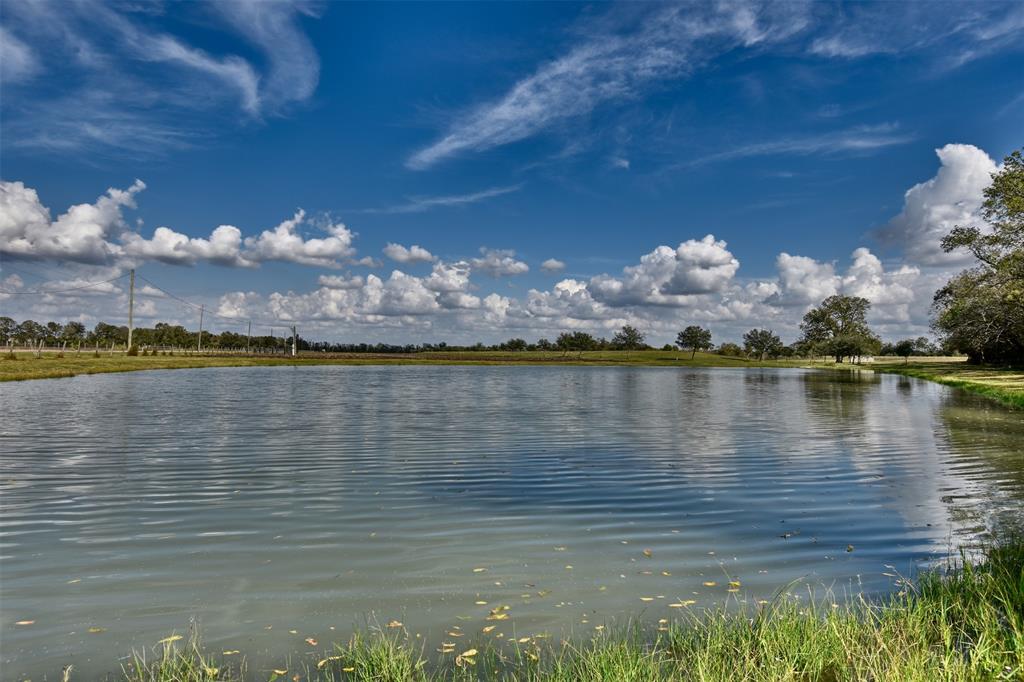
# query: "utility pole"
248 338
131 307
295 341
201 309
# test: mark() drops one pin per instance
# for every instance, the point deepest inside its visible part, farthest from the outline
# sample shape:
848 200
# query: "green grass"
961 622
1002 384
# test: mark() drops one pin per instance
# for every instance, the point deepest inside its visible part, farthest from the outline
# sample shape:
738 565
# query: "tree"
762 342
73 331
629 338
695 338
981 310
839 327
575 341
731 349
514 345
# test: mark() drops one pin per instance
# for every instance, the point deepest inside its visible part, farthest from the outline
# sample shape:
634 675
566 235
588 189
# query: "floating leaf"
734 583
489 628
523 640
320 664
709 583
497 616
349 669
97 630
648 553
231 652
646 598
395 624
311 641
469 653
665 573
25 622
479 570
211 672
480 602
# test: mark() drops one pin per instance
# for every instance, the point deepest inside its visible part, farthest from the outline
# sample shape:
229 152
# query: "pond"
273 505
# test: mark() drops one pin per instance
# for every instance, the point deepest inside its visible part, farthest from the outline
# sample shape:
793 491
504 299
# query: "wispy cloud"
106 64
611 65
860 139
421 204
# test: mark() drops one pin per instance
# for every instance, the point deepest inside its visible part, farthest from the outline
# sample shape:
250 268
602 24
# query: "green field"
1005 385
960 622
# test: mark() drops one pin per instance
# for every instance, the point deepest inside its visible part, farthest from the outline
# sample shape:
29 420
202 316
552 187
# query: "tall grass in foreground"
962 622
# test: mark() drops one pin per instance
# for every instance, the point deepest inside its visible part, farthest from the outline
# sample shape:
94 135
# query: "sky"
466 172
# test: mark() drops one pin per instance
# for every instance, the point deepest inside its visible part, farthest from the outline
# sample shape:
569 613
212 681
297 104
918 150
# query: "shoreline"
961 621
1001 384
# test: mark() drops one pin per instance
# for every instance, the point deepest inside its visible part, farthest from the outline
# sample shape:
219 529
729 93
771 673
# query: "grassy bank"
1004 385
962 622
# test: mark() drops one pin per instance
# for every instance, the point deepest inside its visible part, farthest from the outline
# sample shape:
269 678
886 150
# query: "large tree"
762 342
839 327
981 310
695 338
629 338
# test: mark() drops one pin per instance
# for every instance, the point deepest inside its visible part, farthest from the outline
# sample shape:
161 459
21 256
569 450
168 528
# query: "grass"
964 621
1003 384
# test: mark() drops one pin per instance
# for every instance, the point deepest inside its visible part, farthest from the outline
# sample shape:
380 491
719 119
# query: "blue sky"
611 138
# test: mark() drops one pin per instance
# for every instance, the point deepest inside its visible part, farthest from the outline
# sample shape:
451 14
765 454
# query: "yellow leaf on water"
97 630
211 672
497 616
349 669
231 652
523 640
456 634
280 672
599 627
646 598
568 567
648 553
25 622
666 573
395 624
293 632
481 602
469 653
479 570
489 628
320 664
709 583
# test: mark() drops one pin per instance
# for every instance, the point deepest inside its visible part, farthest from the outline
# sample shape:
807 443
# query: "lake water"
261 501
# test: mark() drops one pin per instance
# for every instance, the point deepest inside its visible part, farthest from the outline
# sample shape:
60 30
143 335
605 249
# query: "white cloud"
670 277
804 280
934 207
81 234
17 60
284 243
223 247
421 204
610 65
338 282
499 263
413 254
552 265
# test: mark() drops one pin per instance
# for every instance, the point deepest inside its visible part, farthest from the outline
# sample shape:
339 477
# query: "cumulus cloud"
499 263
339 282
934 207
552 265
97 233
81 234
670 277
413 254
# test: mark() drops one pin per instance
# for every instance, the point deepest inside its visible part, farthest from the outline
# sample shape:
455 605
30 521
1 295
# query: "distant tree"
668 346
73 332
904 348
575 341
981 310
514 345
839 327
8 328
628 338
762 342
544 344
695 338
730 349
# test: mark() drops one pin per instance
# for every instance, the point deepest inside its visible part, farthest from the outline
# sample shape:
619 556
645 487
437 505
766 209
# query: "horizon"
410 173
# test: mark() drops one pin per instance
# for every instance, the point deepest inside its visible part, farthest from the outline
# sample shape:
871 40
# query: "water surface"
316 499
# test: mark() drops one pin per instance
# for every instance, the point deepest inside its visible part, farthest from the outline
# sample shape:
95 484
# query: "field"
1005 385
962 622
